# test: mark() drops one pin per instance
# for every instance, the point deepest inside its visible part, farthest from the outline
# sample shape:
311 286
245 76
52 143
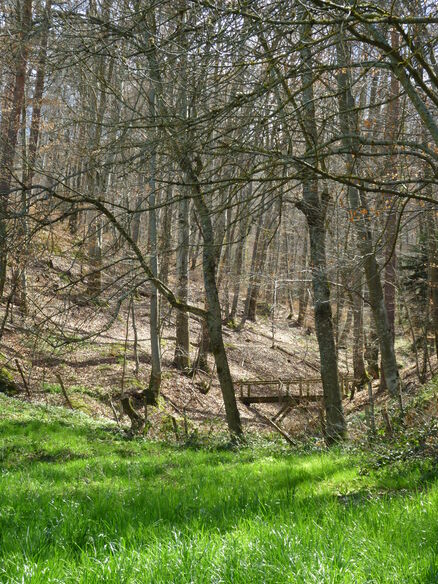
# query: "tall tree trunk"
391 129
214 321
29 167
359 372
14 99
303 297
155 378
96 175
238 266
314 208
182 348
433 272
209 253
360 216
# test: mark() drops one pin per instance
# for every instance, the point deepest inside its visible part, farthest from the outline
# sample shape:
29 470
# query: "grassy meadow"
79 503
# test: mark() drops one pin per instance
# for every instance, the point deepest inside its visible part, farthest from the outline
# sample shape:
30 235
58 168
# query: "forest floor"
90 346
79 503
94 371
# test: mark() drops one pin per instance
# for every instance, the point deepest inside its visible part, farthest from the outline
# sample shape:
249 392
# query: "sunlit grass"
78 503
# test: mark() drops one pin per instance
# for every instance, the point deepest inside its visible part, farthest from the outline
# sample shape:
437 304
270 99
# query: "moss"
7 383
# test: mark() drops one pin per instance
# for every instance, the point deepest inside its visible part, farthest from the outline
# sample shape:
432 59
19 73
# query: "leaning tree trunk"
214 321
213 316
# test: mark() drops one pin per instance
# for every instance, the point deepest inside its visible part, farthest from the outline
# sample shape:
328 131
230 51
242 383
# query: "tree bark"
155 378
360 216
14 99
314 208
182 348
214 321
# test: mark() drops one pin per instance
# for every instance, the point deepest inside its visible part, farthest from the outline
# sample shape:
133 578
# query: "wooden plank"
275 399
273 424
280 411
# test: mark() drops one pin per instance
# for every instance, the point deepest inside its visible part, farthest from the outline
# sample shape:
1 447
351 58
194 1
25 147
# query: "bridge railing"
300 387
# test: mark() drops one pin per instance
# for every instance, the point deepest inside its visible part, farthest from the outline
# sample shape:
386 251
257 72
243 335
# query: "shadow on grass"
66 486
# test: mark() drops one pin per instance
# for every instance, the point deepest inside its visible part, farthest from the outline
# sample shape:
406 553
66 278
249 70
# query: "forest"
219 291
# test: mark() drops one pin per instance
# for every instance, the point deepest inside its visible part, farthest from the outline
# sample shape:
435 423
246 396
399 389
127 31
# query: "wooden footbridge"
289 393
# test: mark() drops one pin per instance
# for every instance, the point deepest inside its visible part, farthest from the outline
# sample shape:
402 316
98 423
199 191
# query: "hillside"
88 345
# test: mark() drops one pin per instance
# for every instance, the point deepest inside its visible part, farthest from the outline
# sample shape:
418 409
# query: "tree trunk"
214 323
303 298
14 99
315 215
155 378
314 208
166 236
391 130
433 272
238 266
251 300
360 216
359 372
182 348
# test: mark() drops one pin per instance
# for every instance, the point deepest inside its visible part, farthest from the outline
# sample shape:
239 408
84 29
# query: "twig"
116 417
61 383
26 385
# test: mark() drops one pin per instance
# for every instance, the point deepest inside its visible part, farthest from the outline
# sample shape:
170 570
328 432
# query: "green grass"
80 504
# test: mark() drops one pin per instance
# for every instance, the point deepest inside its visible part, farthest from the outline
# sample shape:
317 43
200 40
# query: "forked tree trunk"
360 216
314 208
